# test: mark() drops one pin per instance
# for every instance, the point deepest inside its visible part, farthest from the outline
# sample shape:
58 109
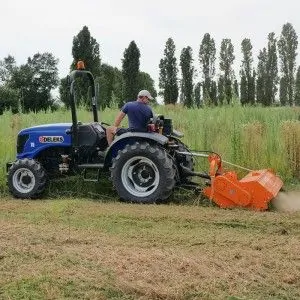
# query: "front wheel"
26 179
143 173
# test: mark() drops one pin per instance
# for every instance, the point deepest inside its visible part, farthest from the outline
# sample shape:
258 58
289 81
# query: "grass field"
252 137
80 249
81 243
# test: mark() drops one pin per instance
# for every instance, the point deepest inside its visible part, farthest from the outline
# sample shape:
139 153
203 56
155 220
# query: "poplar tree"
168 74
221 90
287 46
197 93
261 77
130 72
297 88
271 70
226 61
283 91
187 71
247 87
207 57
86 48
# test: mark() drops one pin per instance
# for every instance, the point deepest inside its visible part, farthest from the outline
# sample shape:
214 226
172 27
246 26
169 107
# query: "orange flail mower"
254 191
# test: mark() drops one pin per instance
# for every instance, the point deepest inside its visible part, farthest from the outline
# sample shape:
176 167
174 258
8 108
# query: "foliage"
168 74
105 84
130 72
85 48
246 72
297 88
145 82
283 91
207 57
226 61
261 76
187 71
287 46
7 67
236 89
34 81
221 90
8 99
271 79
197 93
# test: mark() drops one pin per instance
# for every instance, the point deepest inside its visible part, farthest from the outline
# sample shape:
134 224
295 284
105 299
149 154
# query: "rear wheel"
143 173
26 179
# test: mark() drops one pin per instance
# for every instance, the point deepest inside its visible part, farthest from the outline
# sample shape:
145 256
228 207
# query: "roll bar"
80 72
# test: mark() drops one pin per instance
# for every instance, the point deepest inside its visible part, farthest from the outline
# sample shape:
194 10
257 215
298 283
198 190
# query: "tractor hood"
31 141
58 127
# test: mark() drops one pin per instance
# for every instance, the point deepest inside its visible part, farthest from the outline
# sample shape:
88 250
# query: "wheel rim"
140 176
23 180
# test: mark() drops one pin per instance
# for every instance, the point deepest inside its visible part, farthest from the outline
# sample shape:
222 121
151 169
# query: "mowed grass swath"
78 249
253 137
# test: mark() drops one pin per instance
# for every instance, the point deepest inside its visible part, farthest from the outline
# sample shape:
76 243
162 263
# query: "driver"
138 112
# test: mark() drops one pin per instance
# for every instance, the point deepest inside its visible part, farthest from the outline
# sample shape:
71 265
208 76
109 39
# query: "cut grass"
80 249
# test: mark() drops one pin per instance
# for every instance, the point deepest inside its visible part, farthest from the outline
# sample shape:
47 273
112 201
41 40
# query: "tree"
187 70
130 71
244 89
261 77
86 48
168 74
197 93
213 92
297 88
251 88
145 82
105 83
246 73
271 70
35 80
221 90
7 67
283 91
236 89
207 57
287 46
226 61
8 99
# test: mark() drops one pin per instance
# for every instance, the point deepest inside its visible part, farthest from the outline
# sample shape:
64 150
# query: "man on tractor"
139 113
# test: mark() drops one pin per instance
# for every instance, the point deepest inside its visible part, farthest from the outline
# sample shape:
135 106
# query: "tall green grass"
253 137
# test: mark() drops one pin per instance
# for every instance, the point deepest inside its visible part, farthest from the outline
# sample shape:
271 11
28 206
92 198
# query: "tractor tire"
27 179
143 173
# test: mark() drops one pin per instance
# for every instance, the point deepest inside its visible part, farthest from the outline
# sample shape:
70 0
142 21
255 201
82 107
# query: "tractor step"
91 176
91 166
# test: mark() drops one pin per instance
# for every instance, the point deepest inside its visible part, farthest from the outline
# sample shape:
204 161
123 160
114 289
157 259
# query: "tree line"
274 81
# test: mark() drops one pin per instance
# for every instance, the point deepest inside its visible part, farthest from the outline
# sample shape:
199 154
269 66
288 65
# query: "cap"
145 93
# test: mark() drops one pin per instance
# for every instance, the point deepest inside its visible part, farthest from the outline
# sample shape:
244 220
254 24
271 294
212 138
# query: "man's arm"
119 118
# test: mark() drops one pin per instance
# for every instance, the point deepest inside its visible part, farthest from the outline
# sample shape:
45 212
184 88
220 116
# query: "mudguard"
130 138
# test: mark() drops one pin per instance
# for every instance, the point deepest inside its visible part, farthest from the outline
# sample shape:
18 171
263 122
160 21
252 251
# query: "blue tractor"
144 166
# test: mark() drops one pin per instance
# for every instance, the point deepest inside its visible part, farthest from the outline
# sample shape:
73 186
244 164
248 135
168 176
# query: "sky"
32 26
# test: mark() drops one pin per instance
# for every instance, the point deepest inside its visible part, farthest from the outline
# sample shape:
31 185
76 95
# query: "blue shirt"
138 114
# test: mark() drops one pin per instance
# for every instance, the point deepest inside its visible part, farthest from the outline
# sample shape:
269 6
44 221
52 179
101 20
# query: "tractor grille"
22 139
